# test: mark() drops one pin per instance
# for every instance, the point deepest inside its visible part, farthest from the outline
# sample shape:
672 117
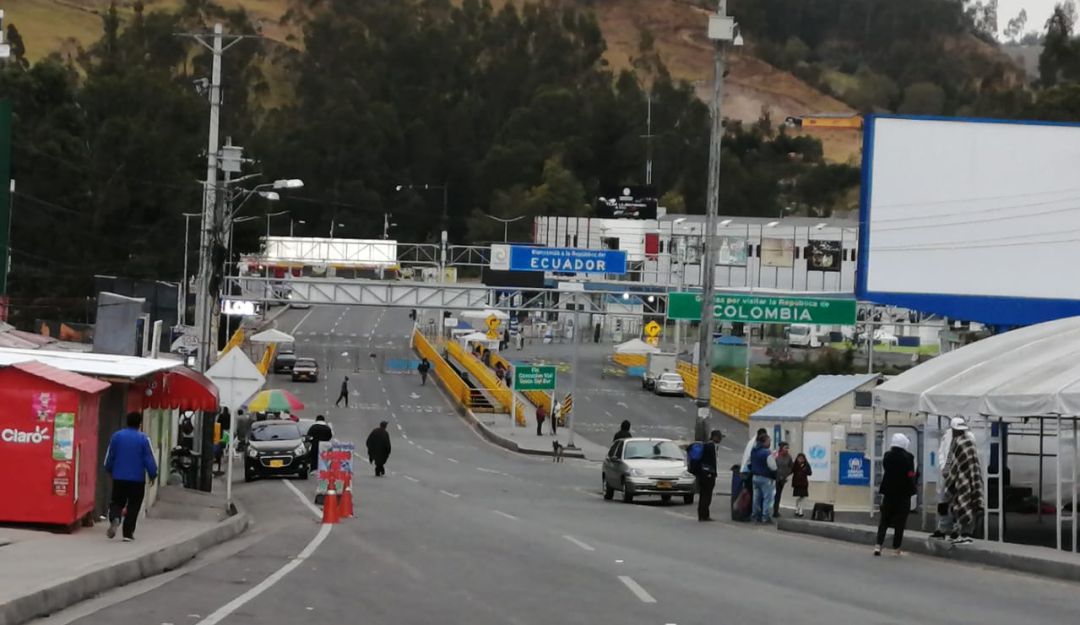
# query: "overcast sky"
1038 12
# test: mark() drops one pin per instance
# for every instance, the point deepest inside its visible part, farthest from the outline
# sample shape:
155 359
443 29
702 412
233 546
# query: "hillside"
678 29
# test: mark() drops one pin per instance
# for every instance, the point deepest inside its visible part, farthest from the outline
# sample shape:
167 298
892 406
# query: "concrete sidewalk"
43 572
500 429
1023 558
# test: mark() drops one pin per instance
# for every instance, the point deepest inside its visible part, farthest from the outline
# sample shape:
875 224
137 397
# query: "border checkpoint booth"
157 387
830 419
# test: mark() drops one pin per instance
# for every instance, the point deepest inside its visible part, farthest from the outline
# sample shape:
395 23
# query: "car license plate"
277 464
663 485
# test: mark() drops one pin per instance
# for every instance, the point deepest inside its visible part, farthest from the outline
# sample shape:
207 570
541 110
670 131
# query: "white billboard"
975 219
336 252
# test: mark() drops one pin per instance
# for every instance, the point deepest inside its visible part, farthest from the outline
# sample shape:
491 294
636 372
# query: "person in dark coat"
705 472
541 414
343 396
423 368
800 482
318 432
624 432
378 448
897 488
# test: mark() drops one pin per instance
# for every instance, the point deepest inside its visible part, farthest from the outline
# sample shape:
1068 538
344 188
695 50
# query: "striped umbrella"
274 400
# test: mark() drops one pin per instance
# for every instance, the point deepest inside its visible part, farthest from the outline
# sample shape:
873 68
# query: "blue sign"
854 469
567 260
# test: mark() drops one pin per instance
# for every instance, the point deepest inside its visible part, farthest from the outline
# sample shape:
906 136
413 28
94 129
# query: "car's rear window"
275 432
306 362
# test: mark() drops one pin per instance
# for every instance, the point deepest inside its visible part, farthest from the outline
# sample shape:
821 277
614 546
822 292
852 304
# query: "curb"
507 443
65 594
1039 561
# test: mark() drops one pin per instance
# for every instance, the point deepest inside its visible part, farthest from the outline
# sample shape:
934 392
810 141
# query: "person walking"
319 432
705 472
129 460
784 467
556 410
964 483
423 368
763 469
344 394
541 414
378 448
624 431
897 488
800 482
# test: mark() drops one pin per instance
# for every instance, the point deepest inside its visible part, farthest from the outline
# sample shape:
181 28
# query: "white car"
669 384
647 466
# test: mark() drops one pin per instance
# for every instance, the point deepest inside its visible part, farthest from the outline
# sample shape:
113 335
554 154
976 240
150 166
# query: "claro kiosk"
48 444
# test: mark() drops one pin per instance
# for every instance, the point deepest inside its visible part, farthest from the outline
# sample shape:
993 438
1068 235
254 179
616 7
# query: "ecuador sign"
560 259
742 308
534 378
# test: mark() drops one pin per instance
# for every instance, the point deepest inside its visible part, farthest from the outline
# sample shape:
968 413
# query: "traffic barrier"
727 396
486 379
268 358
631 360
449 378
330 507
536 398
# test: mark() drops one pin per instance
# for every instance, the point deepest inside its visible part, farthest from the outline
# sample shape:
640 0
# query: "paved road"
464 532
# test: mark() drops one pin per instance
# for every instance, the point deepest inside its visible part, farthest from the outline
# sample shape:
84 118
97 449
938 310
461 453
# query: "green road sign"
534 378
743 308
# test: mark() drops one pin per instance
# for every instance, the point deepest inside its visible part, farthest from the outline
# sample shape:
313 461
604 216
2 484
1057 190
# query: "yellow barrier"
727 396
237 338
267 359
487 380
631 360
449 378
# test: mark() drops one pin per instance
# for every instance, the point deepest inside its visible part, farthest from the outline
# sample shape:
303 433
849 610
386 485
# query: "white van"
803 336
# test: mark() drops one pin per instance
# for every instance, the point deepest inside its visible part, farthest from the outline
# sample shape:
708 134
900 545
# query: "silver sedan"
647 466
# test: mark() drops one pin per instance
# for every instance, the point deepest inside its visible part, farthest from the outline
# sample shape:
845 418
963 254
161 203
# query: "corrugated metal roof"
106 365
808 398
78 382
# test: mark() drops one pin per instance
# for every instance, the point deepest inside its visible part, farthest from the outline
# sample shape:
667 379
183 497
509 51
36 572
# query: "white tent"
484 314
1033 371
636 346
1029 373
272 336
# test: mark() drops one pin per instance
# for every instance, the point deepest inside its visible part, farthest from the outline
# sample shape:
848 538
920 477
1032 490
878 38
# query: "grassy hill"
677 28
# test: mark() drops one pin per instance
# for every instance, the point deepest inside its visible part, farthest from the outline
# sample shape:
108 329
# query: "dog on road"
556 451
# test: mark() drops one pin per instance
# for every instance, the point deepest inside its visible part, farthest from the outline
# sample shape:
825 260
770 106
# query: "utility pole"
721 31
648 136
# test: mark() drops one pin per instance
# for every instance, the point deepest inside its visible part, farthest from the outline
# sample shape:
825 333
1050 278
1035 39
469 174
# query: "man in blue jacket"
763 467
129 460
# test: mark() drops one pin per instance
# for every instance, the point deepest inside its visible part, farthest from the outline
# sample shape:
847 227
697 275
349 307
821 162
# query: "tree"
923 98
1015 28
1059 53
18 47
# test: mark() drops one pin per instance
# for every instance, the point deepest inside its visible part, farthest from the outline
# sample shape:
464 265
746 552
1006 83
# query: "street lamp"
429 187
506 223
292 223
335 223
268 216
288 183
386 225
183 308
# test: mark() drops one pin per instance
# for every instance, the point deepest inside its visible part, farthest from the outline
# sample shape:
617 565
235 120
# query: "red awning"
182 388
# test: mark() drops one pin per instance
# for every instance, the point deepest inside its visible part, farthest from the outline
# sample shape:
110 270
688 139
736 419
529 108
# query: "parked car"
305 369
285 359
669 384
647 466
275 447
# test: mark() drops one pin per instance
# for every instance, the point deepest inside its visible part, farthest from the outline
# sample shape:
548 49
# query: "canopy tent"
1031 372
636 346
484 314
272 336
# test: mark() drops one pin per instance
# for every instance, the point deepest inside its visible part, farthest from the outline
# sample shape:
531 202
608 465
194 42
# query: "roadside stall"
48 444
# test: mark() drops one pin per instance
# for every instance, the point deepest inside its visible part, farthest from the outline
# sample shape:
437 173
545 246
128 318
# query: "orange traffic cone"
345 506
330 507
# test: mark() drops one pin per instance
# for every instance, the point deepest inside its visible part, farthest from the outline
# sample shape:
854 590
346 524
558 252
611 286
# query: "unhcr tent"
1029 373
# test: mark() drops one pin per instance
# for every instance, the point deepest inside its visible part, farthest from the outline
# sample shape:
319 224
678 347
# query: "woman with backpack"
800 482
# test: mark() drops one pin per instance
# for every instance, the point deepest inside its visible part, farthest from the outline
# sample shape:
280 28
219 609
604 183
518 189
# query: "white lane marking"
579 543
303 498
622 404
452 460
301 322
607 413
411 442
411 478
503 514
680 515
489 470
727 448
398 427
449 494
429 451
224 611
678 407
388 402
636 588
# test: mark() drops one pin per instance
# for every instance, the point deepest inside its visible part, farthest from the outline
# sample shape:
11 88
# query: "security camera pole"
721 31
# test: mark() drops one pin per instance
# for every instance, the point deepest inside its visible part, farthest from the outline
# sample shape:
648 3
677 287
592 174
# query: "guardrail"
631 360
727 396
486 379
449 378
